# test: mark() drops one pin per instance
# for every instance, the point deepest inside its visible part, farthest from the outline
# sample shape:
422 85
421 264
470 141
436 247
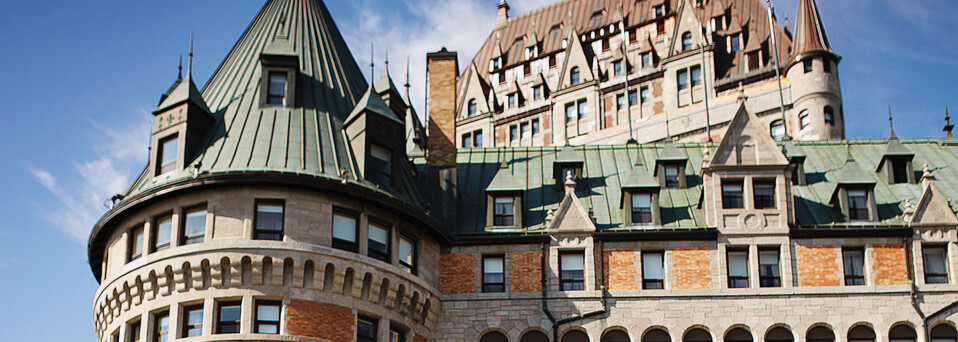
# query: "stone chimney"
442 70
503 14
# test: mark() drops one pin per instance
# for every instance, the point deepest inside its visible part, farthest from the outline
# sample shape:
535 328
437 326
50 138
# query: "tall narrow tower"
813 72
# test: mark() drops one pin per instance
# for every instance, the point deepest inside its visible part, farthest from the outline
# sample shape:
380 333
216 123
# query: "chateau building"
291 200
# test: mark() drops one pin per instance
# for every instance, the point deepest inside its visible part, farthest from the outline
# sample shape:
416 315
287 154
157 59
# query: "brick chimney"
503 14
442 70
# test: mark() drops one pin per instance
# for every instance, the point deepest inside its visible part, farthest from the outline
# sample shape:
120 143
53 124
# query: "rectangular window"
407 254
136 244
768 270
535 126
645 94
671 176
829 116
167 154
826 66
735 43
899 169
503 214
858 205
493 276
527 68
653 271
605 41
477 139
269 221
696 72
192 321
633 98
194 226
659 10
537 93
753 61
277 88
161 326
732 194
617 68
569 113
133 332
345 229
737 268
935 264
467 140
524 128
396 334
583 109
513 133
619 101
807 65
571 271
378 242
641 208
683 79
267 317
162 230
511 98
764 194
805 120
365 329
228 317
380 164
854 261
646 59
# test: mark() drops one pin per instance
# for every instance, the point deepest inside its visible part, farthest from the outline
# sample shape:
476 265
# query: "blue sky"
81 78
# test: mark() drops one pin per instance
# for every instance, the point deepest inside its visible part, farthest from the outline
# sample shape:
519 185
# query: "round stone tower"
813 73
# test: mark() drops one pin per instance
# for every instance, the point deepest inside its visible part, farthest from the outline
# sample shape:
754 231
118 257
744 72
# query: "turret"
813 73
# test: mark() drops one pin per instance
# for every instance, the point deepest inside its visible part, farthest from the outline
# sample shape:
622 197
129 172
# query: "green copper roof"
183 90
372 103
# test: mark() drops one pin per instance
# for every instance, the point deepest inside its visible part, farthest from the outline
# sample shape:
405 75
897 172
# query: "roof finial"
372 63
948 125
387 61
179 73
189 63
891 127
407 79
848 153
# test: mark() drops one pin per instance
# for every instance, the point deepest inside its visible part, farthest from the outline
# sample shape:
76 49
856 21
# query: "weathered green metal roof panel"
372 103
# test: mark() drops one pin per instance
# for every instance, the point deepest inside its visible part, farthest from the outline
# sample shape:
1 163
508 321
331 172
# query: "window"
899 169
641 208
763 192
133 332
396 334
826 66
943 333
228 317
732 197
162 229
537 92
572 271
737 268
803 119
269 221
471 108
807 64
735 43
378 243
569 112
167 154
136 243
777 130
902 333
829 116
574 77
671 176
754 62
365 329
779 334
617 68
768 270
407 254
527 68
524 129
277 89
194 226
516 51
267 317
854 261
511 100
858 205
696 72
644 91
552 61
503 213
467 140
820 334
735 335
493 279
683 79
161 326
659 10
192 321
606 46
619 101
583 109
380 164
861 333
718 23
535 126
345 229
477 139
652 271
513 133
687 41
647 59
493 336
596 20
935 260
633 97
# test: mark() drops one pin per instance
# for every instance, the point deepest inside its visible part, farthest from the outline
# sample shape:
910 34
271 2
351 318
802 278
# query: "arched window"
687 41
779 334
698 335
574 77
902 333
829 115
616 336
803 119
494 336
861 333
777 129
575 336
471 107
534 336
656 335
944 333
820 334
738 335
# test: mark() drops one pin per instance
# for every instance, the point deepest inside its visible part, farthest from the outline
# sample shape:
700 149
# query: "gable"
687 22
575 58
933 208
474 89
746 143
571 215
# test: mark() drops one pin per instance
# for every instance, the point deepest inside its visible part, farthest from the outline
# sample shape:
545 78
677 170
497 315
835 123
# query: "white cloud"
119 155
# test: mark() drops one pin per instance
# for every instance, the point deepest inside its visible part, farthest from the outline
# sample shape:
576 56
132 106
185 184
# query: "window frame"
375 326
770 280
341 244
220 323
500 220
258 321
133 245
937 278
617 69
164 167
686 41
829 115
133 333
381 255
855 212
489 286
575 76
737 281
807 65
260 234
412 268
378 175
269 88
649 283
156 245
185 327
571 284
157 333
184 225
763 201
849 279
471 108
729 196
651 209
477 138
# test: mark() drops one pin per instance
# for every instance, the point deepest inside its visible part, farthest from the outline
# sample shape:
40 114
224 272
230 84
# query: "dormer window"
858 205
276 94
798 170
900 170
617 68
511 100
379 167
659 10
777 129
516 51
686 41
857 202
574 77
537 92
734 43
596 20
647 59
733 194
471 108
167 154
671 176
504 214
642 208
763 194
754 60
718 23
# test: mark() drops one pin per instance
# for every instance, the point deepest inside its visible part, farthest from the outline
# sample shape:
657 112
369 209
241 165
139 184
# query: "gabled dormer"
504 200
933 207
474 101
181 121
279 65
854 195
577 67
640 194
567 162
796 162
687 34
376 138
895 165
670 167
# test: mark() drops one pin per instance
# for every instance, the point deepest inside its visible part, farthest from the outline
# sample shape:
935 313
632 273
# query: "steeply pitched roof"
809 32
372 103
183 90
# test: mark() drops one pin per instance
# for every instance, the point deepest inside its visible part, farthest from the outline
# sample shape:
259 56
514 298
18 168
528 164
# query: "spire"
891 127
189 64
387 61
948 125
809 32
179 73
407 81
372 63
183 90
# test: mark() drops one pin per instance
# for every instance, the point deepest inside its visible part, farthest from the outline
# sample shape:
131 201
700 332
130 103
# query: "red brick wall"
526 271
457 273
691 268
320 320
442 71
890 268
619 269
817 266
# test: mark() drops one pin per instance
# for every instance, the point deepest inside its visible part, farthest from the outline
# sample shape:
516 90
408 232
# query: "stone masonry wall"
818 265
457 273
620 270
320 320
526 271
691 269
889 268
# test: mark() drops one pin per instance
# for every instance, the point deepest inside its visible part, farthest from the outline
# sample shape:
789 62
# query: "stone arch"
288 271
615 334
495 335
738 333
206 273
309 269
943 331
226 272
534 335
329 277
246 271
348 281
154 284
902 332
267 267
779 333
861 332
413 303
367 286
139 289
425 311
400 293
170 281
697 333
383 291
127 296
187 275
820 332
575 334
656 334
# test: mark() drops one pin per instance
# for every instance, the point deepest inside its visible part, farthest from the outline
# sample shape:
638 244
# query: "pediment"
687 22
576 57
933 208
571 215
475 89
746 143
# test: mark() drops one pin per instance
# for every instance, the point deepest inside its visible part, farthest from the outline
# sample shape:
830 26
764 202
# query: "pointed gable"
933 208
687 22
576 57
746 142
571 214
475 89
810 35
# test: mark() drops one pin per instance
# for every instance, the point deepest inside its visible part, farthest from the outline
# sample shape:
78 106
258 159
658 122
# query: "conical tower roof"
810 35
